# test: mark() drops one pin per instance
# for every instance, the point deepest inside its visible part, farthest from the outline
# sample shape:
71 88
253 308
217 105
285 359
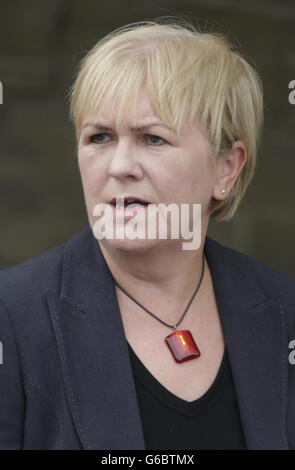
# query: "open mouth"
128 201
128 206
137 202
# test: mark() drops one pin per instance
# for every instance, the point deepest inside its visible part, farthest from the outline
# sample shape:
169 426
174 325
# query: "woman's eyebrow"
101 126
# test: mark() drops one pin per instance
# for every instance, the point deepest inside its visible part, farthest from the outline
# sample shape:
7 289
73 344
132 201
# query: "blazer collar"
95 359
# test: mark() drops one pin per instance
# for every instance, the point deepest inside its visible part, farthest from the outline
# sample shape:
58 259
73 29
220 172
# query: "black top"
170 423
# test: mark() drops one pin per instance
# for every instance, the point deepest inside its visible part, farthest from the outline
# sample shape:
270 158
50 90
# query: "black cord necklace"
181 342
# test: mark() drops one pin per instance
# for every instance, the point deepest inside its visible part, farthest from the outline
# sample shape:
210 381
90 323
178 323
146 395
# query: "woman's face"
151 163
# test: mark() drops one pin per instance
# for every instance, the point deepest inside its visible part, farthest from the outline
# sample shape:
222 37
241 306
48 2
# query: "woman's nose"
124 161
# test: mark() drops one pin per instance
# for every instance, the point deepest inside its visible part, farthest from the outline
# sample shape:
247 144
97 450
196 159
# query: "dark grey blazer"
66 380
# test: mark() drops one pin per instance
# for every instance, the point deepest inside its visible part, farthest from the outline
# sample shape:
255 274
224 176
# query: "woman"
138 343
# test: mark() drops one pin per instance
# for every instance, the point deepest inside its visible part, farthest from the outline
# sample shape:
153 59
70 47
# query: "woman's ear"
228 169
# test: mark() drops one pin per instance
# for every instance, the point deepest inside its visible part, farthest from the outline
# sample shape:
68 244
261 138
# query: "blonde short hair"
189 75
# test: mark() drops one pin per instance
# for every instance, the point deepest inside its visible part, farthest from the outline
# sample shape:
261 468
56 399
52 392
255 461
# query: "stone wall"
41 44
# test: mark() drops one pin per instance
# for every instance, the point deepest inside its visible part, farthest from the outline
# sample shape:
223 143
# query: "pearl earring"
223 191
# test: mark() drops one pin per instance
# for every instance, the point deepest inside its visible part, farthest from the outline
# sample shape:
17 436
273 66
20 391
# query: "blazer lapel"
255 332
93 351
95 359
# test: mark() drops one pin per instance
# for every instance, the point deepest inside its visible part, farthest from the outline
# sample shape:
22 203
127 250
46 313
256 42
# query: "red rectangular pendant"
182 345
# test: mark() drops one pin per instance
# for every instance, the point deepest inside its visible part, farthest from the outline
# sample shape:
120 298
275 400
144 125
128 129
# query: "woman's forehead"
134 118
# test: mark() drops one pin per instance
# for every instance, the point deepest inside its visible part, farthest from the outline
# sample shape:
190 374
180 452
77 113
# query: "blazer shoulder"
33 268
23 283
264 274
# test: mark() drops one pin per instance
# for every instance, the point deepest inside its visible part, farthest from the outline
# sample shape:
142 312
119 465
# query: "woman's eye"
154 139
96 138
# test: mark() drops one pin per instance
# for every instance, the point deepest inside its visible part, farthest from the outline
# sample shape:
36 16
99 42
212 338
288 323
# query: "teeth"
122 202
135 201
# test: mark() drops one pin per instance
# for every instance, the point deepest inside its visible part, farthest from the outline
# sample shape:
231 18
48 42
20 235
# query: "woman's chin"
130 245
129 241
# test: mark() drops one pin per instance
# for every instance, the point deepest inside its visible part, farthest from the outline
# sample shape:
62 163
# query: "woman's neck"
161 282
